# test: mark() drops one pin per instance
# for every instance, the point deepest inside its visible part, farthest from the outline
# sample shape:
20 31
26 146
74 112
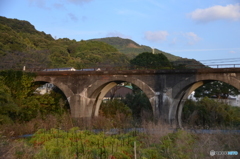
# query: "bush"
111 108
210 113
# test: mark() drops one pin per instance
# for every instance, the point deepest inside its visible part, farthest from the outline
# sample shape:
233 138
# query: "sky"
205 30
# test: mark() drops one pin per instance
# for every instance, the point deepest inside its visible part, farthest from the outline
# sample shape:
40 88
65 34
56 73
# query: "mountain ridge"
131 48
20 39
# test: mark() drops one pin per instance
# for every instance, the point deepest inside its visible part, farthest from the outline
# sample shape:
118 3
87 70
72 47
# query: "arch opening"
52 99
121 98
209 104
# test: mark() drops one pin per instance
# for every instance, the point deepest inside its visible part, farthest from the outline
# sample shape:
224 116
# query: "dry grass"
217 142
17 149
204 143
11 145
155 131
50 121
120 121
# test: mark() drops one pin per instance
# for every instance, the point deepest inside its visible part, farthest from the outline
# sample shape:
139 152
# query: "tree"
216 89
138 102
25 46
110 108
7 105
151 61
210 113
20 102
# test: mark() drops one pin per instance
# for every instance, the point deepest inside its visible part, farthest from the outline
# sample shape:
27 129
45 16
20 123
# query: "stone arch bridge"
166 90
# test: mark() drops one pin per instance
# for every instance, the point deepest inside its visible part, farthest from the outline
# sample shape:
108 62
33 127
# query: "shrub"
210 113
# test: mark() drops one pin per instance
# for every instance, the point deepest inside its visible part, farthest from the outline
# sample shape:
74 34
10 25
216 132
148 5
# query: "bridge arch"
64 88
99 89
186 87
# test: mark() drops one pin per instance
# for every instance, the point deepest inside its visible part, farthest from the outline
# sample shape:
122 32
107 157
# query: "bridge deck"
128 72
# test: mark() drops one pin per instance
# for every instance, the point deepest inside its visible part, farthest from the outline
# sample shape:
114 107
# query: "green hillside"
131 48
22 45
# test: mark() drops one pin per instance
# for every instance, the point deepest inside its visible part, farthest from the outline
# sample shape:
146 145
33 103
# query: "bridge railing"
225 66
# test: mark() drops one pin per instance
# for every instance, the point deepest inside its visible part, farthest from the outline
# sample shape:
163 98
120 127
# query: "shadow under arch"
100 88
188 89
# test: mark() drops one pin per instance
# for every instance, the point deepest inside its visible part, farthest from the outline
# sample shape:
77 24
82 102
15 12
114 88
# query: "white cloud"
43 3
192 37
73 17
79 1
156 3
59 6
229 12
157 36
174 41
39 3
131 12
232 52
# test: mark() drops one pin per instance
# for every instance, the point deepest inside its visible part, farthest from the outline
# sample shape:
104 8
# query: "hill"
22 45
131 48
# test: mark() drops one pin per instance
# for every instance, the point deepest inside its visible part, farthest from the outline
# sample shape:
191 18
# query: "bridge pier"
99 98
79 106
73 102
155 105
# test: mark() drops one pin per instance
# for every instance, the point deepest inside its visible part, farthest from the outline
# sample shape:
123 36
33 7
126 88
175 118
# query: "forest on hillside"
132 49
22 45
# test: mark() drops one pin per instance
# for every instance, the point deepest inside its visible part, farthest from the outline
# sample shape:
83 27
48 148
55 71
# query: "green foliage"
18 102
56 143
29 107
216 89
7 105
151 61
19 82
210 113
20 26
110 108
115 113
53 103
25 46
75 143
131 48
19 86
95 53
177 145
10 39
138 102
95 46
22 45
185 63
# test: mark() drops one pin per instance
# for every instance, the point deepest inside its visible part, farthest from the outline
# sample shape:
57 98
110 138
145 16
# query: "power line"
225 59
220 61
